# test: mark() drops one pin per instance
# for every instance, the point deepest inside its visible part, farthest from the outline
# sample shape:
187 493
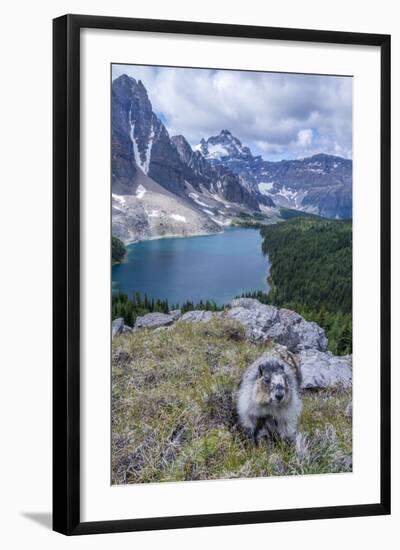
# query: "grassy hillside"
311 272
173 411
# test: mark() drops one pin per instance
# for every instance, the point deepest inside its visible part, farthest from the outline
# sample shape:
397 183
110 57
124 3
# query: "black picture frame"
66 273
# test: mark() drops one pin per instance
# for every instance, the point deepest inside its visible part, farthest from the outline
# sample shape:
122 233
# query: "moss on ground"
173 411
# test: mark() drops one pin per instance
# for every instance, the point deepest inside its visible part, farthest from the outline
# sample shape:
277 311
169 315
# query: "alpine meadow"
231 274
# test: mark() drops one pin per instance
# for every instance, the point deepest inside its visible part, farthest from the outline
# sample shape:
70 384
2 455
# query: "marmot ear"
261 369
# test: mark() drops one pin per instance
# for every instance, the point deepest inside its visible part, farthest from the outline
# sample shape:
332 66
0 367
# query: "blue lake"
214 267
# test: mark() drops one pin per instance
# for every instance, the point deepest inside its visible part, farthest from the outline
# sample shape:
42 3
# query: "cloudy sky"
277 115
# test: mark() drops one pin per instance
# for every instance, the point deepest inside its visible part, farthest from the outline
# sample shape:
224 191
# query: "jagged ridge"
321 184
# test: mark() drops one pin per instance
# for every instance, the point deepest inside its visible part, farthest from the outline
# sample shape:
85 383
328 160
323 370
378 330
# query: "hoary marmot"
269 402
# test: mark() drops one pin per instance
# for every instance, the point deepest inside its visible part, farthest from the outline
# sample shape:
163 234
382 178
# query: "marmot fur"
269 402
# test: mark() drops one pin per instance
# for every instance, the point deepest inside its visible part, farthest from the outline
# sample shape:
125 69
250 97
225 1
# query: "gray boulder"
324 370
247 303
294 332
197 316
117 326
284 326
154 320
176 314
256 318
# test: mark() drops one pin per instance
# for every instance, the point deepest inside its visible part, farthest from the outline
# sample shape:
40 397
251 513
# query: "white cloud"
277 115
305 137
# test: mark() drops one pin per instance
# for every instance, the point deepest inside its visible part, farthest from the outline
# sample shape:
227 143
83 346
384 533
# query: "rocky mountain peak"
224 146
135 116
124 80
220 172
140 140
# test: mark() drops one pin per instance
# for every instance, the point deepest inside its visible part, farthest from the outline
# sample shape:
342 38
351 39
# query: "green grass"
173 411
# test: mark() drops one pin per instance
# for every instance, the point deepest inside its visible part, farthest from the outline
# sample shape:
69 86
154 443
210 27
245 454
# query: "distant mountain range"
321 184
161 186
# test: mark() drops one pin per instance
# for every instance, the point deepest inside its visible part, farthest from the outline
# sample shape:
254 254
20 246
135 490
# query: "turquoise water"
214 267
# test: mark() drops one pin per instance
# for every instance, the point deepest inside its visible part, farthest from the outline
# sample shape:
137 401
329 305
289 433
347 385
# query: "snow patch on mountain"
316 170
208 212
178 218
289 198
216 151
143 164
265 187
140 192
217 198
146 163
136 152
153 214
195 197
222 223
119 198
287 193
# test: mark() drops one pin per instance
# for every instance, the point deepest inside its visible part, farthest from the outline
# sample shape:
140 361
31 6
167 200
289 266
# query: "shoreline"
236 223
192 235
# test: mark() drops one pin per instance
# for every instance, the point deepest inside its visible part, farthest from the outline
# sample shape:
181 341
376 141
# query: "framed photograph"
221 274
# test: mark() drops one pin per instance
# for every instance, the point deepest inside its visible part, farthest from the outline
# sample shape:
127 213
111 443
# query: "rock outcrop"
323 369
302 340
197 316
155 320
117 327
176 314
284 326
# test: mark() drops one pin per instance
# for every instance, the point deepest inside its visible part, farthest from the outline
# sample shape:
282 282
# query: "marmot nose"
279 396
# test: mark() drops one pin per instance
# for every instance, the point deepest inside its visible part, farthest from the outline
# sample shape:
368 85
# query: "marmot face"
272 386
269 398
